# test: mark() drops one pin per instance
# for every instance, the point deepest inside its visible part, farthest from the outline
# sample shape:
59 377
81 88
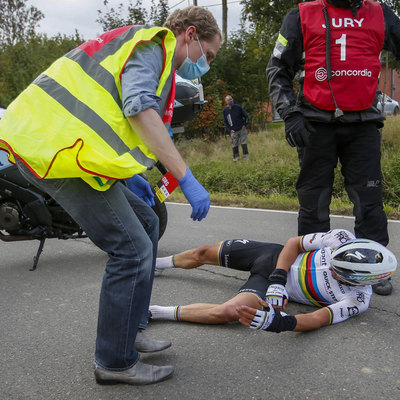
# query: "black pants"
357 146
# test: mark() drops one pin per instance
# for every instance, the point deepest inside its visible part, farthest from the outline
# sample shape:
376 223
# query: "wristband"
278 276
282 322
165 186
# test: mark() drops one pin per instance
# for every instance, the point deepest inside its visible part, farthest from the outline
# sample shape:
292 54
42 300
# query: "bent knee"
202 253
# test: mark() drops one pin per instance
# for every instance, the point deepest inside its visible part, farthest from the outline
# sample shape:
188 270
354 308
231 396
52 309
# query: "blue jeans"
126 228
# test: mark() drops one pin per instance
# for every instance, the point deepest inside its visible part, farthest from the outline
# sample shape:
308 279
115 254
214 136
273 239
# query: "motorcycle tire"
161 210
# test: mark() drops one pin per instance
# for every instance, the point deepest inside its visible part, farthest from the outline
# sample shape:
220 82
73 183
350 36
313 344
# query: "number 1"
342 42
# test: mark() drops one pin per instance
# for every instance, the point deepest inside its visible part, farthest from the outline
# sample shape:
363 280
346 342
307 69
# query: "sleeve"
224 112
349 307
332 239
285 61
392 31
245 116
140 79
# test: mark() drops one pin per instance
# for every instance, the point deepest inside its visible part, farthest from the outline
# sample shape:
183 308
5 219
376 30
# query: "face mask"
192 70
230 102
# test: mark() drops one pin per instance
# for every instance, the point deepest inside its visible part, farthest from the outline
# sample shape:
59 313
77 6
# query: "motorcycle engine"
9 217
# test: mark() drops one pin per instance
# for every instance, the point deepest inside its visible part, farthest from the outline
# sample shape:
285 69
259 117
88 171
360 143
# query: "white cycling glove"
263 319
276 295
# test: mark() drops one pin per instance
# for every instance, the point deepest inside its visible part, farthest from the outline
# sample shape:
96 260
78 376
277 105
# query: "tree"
17 21
393 4
265 17
20 63
135 14
23 53
159 12
111 19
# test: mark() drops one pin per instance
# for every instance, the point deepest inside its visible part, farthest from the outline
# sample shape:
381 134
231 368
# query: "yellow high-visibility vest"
69 123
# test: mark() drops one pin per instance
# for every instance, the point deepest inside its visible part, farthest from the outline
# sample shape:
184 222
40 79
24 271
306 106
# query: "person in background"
96 116
236 120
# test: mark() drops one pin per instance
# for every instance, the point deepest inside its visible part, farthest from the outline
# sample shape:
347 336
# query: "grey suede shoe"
139 374
143 344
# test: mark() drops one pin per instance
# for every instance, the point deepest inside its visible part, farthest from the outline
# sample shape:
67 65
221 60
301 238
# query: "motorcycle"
27 213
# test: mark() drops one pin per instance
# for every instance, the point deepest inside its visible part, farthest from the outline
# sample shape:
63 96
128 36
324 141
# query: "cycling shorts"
259 258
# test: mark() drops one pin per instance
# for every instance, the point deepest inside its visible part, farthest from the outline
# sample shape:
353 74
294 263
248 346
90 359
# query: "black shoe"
383 288
143 344
139 374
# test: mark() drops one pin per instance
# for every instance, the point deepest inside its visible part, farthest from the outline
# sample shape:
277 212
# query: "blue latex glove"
139 186
196 195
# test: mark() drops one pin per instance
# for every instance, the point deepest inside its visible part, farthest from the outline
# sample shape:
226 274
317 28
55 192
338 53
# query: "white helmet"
363 262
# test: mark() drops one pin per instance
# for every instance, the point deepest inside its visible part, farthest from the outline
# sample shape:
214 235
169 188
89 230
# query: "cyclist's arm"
313 320
319 240
334 313
289 253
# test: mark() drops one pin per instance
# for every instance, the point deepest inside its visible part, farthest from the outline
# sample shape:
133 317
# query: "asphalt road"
48 326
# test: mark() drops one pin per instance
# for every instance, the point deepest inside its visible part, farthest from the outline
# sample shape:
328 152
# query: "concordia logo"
321 73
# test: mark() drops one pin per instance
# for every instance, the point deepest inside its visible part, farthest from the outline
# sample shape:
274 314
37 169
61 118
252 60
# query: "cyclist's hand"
277 296
256 319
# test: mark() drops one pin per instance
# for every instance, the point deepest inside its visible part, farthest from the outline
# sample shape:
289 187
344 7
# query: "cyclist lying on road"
333 271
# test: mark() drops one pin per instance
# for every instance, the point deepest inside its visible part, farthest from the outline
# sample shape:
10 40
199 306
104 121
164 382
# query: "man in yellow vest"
100 114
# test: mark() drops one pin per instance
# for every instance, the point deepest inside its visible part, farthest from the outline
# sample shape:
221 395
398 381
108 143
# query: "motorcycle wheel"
161 210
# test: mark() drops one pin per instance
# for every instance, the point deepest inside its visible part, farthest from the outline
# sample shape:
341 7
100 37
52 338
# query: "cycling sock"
165 262
168 313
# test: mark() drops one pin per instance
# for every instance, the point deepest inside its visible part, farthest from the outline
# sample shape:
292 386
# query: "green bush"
268 178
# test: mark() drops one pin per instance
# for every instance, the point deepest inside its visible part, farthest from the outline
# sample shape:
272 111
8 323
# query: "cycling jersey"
309 279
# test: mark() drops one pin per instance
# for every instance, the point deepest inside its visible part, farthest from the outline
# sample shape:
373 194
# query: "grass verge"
267 180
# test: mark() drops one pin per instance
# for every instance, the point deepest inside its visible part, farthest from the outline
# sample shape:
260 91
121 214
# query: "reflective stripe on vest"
356 43
81 111
69 121
97 72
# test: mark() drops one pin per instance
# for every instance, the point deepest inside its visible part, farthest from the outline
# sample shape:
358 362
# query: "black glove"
297 130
